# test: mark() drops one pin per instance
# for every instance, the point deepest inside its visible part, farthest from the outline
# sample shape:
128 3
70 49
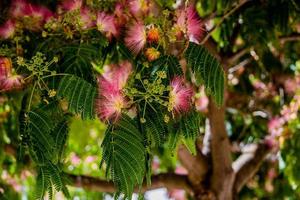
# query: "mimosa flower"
7 30
139 7
70 5
18 8
110 106
189 22
86 18
116 75
106 24
152 54
41 13
180 96
112 100
7 80
135 38
11 83
153 35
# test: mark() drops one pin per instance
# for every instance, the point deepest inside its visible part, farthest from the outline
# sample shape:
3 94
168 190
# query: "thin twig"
223 18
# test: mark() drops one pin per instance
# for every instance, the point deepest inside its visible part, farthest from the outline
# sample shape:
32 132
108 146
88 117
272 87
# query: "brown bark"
222 173
169 181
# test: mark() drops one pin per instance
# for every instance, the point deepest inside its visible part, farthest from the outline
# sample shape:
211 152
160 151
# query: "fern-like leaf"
80 95
207 70
42 183
124 155
39 127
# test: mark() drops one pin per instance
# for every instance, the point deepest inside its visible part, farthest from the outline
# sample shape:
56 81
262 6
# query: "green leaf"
42 183
155 128
39 127
124 155
77 60
60 134
207 70
167 63
80 95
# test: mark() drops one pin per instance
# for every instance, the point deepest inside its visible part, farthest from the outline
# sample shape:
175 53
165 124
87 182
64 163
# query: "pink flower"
181 170
41 13
275 126
90 159
138 7
201 103
18 8
112 100
86 18
7 80
180 96
201 100
11 83
135 38
106 24
75 160
189 22
7 30
110 105
115 76
70 5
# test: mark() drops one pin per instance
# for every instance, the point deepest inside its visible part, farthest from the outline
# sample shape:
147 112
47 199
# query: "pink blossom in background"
7 30
181 170
90 159
74 159
201 101
106 24
275 126
135 38
189 22
180 95
12 181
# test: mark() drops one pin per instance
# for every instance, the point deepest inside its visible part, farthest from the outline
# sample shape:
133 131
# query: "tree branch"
222 176
249 163
196 166
169 181
293 37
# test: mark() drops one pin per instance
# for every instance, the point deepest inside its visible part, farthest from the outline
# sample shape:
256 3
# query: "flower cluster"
137 22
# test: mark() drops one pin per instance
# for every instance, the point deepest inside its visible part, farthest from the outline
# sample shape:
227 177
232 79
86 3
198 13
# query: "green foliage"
155 128
49 177
77 60
167 63
80 95
124 155
207 70
39 128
